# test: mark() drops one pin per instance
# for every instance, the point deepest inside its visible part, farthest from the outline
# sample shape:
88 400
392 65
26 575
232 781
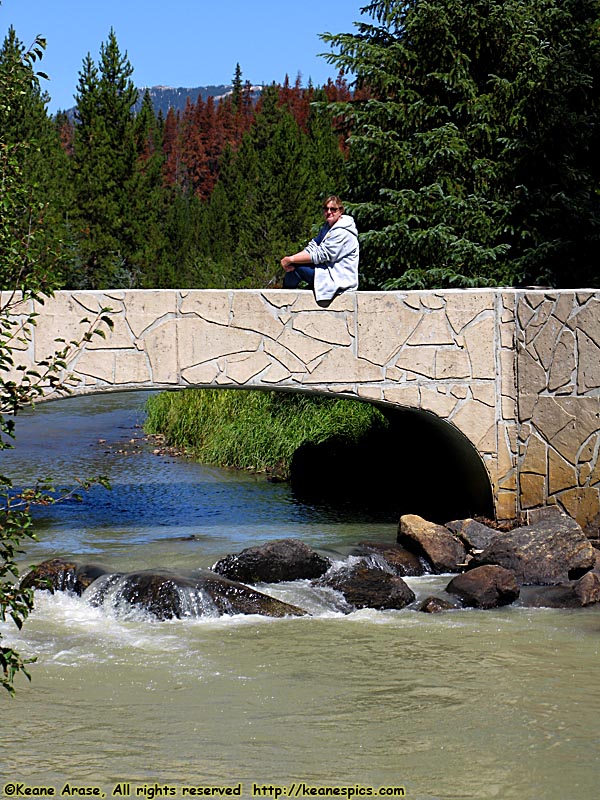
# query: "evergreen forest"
463 135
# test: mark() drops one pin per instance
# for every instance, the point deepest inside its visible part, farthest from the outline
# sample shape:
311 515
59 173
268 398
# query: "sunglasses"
333 209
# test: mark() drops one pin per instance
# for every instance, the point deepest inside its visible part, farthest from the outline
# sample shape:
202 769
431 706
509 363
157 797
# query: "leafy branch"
23 386
24 281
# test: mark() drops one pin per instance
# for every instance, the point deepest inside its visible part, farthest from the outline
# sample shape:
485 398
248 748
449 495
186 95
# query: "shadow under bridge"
415 463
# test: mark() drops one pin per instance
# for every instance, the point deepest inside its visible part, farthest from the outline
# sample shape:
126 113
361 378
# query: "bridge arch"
420 464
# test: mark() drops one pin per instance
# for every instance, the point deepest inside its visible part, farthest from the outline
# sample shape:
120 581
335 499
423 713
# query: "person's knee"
290 280
306 274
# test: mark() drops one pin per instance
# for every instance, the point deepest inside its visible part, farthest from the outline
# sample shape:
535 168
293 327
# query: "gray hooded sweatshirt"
334 253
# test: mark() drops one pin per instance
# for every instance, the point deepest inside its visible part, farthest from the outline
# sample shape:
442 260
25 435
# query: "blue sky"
182 42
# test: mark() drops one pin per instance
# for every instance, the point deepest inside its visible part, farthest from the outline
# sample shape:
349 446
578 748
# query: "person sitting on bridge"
329 262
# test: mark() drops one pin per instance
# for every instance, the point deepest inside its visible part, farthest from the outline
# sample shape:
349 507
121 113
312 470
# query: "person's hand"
287 264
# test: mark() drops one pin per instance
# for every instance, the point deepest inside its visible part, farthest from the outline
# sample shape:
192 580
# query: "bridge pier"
516 372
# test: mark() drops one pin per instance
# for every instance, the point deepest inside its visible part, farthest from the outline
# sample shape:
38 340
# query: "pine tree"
242 102
215 264
471 160
26 113
214 138
104 161
237 90
172 149
247 109
34 142
197 177
147 195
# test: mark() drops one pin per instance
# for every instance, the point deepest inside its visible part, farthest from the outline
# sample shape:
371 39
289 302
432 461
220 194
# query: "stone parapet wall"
516 373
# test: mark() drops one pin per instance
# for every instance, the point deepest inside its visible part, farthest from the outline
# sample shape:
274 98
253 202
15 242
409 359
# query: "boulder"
61 575
435 605
273 562
440 548
573 594
550 551
475 535
399 560
485 587
366 586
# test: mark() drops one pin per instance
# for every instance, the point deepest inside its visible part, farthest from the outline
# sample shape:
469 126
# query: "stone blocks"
558 384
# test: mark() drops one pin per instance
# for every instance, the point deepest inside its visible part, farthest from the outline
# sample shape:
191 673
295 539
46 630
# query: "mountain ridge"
175 97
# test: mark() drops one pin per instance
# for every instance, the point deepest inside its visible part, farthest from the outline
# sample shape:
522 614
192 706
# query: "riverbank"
257 431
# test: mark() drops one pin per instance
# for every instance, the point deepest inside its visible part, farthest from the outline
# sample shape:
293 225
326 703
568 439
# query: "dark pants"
301 273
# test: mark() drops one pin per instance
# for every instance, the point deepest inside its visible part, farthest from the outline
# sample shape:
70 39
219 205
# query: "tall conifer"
104 162
32 139
147 196
472 161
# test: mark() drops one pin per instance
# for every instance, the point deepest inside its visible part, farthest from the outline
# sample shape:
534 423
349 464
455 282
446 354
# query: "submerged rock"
61 575
400 560
441 549
366 586
435 605
485 587
273 562
574 594
166 595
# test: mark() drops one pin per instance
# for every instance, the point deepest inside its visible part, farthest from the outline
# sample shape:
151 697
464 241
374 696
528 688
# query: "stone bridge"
510 378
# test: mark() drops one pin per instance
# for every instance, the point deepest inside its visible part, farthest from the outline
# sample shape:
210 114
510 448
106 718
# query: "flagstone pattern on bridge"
558 410
517 372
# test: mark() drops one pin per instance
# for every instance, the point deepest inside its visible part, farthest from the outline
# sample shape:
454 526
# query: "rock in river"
163 593
273 562
366 586
440 548
574 594
61 575
400 560
551 551
485 587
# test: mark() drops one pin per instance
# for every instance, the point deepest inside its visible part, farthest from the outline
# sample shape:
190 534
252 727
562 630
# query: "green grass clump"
255 430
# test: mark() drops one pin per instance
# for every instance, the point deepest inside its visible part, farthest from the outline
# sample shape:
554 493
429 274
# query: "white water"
467 704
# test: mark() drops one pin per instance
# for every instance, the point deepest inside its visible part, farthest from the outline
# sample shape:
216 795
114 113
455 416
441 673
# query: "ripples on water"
466 704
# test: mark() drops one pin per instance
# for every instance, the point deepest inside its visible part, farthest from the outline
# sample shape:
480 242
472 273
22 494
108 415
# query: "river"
465 704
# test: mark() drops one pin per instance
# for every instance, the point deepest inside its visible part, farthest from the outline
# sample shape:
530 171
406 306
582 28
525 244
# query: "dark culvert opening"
414 464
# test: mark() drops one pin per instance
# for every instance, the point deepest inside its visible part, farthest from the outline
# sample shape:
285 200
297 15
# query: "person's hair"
333 198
